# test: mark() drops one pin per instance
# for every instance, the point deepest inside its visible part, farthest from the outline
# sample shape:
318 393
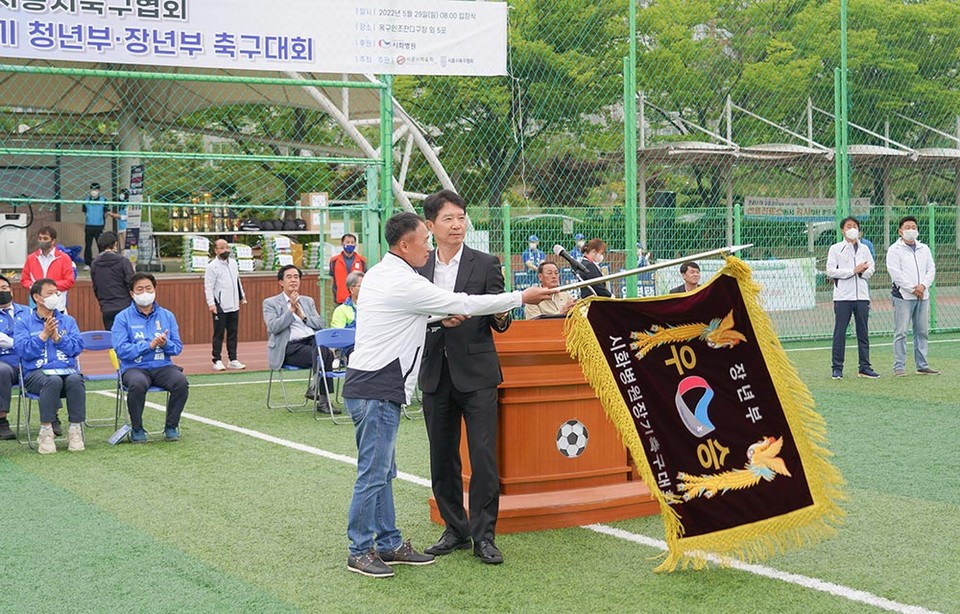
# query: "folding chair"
283 390
121 392
332 339
98 341
29 397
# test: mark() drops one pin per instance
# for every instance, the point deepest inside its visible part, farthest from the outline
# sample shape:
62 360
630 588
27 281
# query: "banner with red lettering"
715 417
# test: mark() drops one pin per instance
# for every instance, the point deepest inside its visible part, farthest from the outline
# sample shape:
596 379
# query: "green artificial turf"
224 521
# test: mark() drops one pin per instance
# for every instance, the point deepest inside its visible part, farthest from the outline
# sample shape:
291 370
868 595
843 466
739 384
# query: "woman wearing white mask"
850 265
593 254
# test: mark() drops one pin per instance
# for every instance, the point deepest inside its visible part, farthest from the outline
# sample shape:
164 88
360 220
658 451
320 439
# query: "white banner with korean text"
799 209
404 37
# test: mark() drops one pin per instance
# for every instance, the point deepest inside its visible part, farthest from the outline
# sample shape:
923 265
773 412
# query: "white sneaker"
45 443
236 364
75 438
218 366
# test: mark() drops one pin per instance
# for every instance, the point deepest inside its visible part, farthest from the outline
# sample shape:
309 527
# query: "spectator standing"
690 273
10 312
145 337
912 271
593 254
48 262
532 256
344 263
95 211
49 342
111 274
224 293
850 266
578 244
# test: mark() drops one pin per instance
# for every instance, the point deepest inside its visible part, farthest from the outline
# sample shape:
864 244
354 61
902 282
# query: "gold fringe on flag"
754 541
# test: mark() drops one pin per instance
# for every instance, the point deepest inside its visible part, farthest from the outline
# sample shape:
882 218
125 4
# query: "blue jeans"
903 312
372 517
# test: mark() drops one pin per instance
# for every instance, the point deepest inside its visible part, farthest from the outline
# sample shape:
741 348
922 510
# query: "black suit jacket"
593 271
471 354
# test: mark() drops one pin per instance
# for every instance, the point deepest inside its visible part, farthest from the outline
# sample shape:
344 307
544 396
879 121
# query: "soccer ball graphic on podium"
572 438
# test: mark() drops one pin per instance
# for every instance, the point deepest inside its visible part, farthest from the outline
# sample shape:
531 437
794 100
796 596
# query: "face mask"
146 299
533 246
6 297
349 248
911 234
852 233
94 193
581 243
598 259
44 245
224 255
52 302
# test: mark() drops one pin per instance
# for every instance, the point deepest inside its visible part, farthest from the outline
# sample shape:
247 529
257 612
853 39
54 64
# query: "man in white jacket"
911 268
850 265
224 292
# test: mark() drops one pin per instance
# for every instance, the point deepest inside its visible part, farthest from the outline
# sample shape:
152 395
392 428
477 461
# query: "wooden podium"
540 487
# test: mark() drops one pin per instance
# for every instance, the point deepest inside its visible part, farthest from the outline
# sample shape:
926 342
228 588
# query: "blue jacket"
133 331
7 325
36 354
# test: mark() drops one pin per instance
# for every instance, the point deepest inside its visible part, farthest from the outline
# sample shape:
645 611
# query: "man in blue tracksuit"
48 342
9 361
145 337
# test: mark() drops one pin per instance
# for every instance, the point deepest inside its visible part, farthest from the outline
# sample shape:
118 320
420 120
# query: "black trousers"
90 235
842 310
108 319
443 412
303 353
170 378
228 322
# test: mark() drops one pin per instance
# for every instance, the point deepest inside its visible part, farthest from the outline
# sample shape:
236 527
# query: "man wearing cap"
532 256
95 210
579 241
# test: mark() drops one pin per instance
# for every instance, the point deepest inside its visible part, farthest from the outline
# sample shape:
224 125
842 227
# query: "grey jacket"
278 318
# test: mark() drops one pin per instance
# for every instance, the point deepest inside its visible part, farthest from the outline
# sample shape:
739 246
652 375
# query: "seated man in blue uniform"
48 342
145 337
9 361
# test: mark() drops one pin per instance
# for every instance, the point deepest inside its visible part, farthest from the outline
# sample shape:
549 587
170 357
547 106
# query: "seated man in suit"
145 337
292 320
557 304
10 312
49 342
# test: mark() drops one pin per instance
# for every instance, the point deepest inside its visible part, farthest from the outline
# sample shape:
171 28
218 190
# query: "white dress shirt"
299 330
445 275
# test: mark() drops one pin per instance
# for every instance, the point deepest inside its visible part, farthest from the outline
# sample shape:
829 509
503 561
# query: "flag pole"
653 267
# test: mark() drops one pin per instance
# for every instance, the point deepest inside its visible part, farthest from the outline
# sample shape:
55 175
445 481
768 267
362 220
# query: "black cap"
94 186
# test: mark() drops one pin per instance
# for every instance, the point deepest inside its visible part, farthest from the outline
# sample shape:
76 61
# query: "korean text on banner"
404 37
719 424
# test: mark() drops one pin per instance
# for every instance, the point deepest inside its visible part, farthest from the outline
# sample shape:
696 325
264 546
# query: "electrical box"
13 240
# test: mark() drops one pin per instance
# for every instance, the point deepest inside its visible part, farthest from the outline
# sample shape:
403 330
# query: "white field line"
872 345
775 574
767 572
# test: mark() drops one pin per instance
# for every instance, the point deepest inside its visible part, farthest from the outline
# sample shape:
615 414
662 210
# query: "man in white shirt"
397 302
224 293
912 271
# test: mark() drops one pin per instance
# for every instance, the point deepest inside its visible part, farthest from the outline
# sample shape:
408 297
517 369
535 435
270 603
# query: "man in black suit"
459 375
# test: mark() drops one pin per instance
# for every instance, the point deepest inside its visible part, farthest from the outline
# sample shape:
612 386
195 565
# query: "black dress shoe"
488 552
57 429
447 543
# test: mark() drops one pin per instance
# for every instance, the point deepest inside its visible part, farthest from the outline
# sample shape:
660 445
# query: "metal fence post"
932 222
507 259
